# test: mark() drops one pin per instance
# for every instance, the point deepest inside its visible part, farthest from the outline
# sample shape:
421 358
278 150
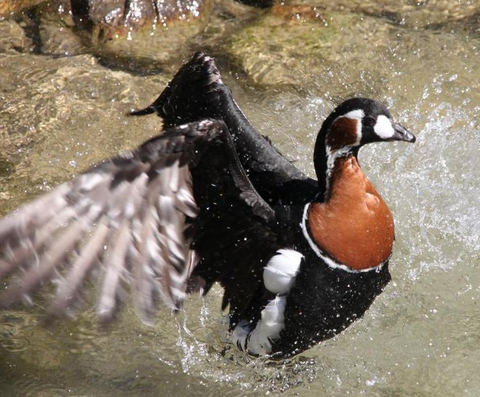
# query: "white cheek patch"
383 127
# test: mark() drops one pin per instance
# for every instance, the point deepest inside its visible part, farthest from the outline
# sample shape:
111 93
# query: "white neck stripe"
332 155
329 261
358 114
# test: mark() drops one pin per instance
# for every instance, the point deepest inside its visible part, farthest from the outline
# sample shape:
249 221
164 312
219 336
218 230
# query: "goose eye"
369 121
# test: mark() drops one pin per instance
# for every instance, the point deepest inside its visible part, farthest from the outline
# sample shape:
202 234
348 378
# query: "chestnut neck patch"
343 132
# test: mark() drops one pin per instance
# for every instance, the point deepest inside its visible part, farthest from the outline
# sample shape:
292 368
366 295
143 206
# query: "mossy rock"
417 14
13 38
301 47
137 35
9 8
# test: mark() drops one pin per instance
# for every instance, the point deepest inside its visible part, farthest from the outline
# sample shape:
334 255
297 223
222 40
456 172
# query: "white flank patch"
279 274
329 261
332 156
268 328
279 277
383 127
240 334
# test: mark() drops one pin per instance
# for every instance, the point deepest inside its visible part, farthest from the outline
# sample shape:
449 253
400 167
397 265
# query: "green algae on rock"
415 14
10 8
292 47
13 38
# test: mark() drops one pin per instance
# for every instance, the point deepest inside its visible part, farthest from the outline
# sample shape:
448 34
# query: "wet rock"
13 38
47 29
52 29
142 35
117 17
58 39
417 13
304 46
138 35
9 8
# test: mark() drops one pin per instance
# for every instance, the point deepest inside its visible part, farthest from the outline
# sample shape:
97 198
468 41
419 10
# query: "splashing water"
421 337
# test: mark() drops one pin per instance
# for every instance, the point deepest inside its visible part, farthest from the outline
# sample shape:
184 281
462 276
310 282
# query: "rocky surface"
412 13
129 31
10 8
13 38
139 35
289 46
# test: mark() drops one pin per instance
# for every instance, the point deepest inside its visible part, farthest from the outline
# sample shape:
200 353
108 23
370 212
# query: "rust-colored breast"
354 226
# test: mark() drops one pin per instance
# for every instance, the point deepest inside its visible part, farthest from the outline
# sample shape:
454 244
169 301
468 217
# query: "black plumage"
197 91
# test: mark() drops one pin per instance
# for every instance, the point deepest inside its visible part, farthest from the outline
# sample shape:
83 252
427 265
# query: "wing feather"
50 259
125 216
143 256
68 290
132 217
115 271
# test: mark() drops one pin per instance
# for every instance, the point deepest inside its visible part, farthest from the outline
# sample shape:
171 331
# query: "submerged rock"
300 45
10 8
470 24
227 18
338 54
13 38
417 13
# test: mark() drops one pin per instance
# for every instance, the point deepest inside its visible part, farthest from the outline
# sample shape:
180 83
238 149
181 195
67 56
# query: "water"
58 115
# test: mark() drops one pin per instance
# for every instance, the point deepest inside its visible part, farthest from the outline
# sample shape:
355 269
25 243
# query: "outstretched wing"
124 218
146 218
197 91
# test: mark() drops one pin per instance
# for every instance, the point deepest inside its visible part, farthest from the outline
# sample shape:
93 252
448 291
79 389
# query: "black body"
324 301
